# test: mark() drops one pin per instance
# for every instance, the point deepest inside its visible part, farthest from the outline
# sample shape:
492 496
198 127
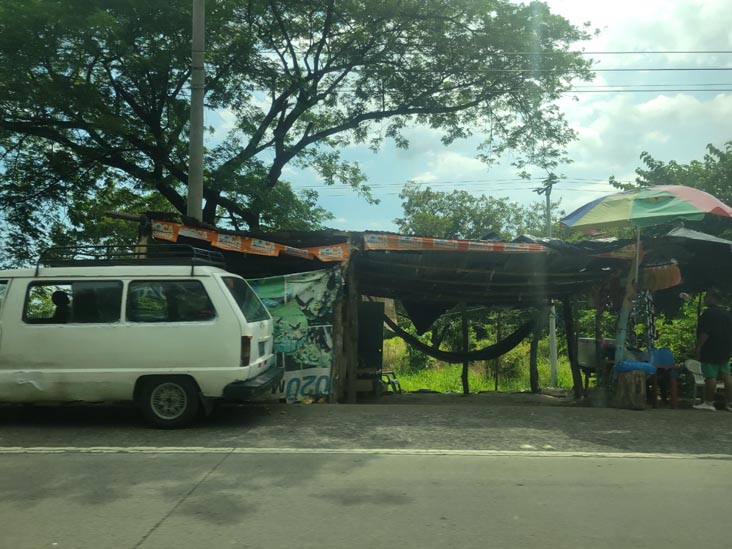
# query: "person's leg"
727 380
663 382
710 389
710 372
724 376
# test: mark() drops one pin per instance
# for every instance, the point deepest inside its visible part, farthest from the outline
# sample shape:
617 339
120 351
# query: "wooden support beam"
466 344
499 337
337 368
572 346
350 343
599 361
534 355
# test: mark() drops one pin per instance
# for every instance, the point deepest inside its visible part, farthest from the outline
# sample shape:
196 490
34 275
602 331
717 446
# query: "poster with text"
302 308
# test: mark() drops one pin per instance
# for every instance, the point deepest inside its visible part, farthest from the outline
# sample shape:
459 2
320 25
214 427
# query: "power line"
670 85
570 181
461 182
619 69
646 90
502 190
632 52
499 186
574 52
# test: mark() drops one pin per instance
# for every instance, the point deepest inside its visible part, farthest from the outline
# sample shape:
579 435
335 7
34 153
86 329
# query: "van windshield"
247 300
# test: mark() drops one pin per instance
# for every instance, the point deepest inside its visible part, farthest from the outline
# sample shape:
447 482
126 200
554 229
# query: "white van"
171 337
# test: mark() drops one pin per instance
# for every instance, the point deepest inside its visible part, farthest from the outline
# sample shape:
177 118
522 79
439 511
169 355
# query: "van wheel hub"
169 400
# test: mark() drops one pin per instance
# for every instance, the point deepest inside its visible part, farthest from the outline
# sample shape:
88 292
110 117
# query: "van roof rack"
132 254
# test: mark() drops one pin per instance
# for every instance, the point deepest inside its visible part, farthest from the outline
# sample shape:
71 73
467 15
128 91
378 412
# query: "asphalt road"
447 474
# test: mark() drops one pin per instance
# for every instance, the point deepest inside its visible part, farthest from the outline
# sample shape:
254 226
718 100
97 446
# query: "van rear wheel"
169 402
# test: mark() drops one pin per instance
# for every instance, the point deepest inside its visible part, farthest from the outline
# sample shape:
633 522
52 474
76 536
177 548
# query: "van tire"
168 402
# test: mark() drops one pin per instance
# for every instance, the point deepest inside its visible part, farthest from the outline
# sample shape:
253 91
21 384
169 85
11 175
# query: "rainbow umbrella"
646 207
643 208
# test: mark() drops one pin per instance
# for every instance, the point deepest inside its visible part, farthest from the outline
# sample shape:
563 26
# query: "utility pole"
546 190
194 207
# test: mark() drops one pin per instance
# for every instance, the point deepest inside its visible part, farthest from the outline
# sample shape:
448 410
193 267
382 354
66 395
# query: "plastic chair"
694 367
391 380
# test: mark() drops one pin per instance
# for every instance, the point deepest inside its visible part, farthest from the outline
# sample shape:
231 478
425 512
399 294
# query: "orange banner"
335 252
165 230
162 230
403 243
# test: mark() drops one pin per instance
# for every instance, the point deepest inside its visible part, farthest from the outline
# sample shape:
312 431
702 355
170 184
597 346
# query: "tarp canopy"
430 276
523 273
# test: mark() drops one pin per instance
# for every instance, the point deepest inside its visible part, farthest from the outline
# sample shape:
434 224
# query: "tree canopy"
94 97
712 174
459 214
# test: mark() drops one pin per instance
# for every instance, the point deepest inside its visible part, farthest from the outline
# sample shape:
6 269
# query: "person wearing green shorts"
713 347
715 371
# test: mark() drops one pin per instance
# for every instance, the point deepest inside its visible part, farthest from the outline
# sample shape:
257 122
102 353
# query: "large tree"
94 93
459 214
712 174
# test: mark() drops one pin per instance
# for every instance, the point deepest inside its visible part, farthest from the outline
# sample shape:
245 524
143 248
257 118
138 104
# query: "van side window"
83 302
168 301
248 302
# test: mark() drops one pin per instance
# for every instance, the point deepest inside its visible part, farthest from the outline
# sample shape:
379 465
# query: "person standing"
713 348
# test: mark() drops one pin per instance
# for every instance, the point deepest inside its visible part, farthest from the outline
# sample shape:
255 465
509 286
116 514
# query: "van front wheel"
169 402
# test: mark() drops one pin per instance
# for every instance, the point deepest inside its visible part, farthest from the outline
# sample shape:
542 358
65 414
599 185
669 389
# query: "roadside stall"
641 209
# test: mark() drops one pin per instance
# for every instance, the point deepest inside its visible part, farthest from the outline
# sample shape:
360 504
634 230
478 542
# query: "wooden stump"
630 390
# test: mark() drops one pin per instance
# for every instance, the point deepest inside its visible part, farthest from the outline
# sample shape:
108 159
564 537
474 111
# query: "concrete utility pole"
194 206
547 191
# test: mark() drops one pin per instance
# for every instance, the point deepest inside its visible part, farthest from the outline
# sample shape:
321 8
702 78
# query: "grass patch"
441 377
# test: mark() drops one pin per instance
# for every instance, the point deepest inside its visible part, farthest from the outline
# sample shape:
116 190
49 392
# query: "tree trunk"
630 392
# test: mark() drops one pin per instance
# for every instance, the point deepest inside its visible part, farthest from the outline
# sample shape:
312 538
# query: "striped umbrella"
646 207
643 208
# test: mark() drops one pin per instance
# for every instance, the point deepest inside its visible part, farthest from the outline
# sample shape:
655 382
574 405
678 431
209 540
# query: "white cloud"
450 165
614 132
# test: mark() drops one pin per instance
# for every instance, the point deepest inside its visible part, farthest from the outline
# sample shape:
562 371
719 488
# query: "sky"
666 119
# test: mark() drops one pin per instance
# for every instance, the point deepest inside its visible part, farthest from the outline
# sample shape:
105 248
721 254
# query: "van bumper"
245 390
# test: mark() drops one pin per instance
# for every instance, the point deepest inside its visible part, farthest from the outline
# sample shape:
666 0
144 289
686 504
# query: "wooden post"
337 368
631 286
599 361
345 337
572 346
534 355
499 337
466 344
350 335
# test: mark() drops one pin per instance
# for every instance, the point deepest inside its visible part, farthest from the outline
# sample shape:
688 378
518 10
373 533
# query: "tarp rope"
486 353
